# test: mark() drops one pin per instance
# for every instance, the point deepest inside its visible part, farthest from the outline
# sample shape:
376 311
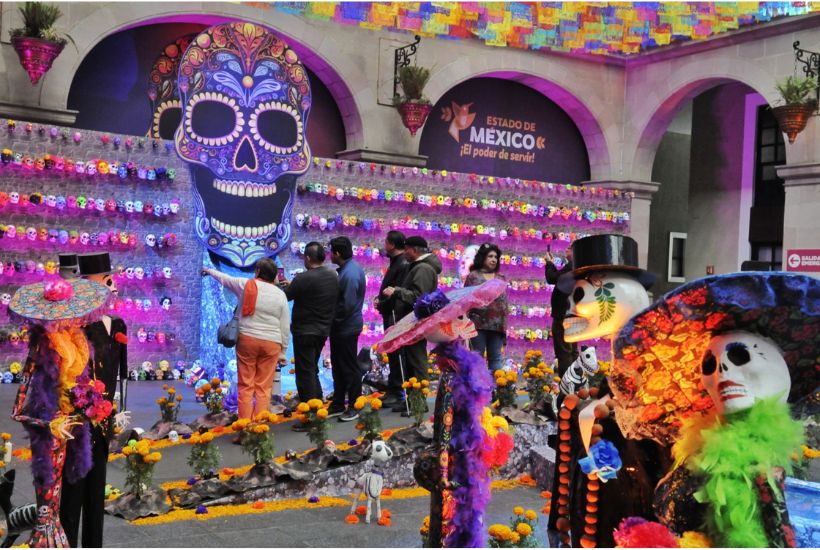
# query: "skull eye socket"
213 119
277 127
578 295
738 353
709 364
169 120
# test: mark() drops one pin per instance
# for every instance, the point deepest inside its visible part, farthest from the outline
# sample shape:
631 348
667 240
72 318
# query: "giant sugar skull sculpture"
162 89
245 99
601 303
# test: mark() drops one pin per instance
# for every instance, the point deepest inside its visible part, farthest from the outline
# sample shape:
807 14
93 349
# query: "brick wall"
184 259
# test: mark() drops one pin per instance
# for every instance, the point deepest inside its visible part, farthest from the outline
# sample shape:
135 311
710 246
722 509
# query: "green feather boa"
735 451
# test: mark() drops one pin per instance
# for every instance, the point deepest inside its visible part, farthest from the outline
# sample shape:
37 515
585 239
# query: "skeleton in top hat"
109 342
606 288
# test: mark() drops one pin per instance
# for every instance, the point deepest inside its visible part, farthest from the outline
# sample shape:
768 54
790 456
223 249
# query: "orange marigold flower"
384 522
361 509
258 505
352 519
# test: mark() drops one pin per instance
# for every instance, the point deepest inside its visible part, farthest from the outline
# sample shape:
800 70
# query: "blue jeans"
491 342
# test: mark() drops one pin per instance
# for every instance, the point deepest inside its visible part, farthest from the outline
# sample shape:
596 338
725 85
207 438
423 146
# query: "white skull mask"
129 207
173 436
142 336
129 272
166 272
51 201
151 240
31 234
84 238
245 101
594 314
739 368
5 298
14 197
139 273
174 206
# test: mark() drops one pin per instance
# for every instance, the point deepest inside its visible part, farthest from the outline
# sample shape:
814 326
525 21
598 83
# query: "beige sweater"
271 320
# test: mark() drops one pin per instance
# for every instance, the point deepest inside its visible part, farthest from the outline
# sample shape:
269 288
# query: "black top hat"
604 253
68 266
97 263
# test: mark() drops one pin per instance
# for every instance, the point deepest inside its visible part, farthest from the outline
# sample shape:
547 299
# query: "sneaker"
349 415
299 427
391 400
332 411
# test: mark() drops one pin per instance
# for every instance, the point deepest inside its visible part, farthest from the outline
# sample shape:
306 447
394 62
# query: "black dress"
110 360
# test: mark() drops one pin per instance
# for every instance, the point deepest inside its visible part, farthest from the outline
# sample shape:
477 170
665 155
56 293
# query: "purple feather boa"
78 460
472 390
43 406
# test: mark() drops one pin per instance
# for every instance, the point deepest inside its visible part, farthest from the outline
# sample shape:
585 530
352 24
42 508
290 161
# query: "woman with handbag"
264 333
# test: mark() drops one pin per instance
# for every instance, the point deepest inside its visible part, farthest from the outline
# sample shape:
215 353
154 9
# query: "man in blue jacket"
345 331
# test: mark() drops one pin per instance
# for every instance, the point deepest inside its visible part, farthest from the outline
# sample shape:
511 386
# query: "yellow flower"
429 371
523 529
161 401
207 437
195 439
315 403
511 376
416 386
526 376
171 405
179 398
425 392
376 404
359 404
694 539
518 511
165 386
303 407
321 413
501 382
515 538
413 380
405 385
6 436
156 456
172 391
499 372
810 453
530 515
127 451
425 383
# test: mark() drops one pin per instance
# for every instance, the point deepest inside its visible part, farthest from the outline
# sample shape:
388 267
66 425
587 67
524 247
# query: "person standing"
490 321
314 294
345 330
83 501
559 304
394 247
421 278
264 333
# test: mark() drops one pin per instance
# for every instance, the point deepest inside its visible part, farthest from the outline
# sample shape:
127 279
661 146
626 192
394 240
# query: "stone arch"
560 91
687 83
317 50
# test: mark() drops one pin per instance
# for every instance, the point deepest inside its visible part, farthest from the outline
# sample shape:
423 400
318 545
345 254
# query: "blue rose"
603 460
428 304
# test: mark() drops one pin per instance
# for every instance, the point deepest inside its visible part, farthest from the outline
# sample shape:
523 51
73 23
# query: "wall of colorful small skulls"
453 211
68 190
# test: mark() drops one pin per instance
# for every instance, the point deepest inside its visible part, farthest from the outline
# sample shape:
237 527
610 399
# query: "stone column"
639 215
801 222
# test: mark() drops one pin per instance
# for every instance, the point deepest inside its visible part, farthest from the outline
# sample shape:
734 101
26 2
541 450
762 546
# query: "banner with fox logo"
502 128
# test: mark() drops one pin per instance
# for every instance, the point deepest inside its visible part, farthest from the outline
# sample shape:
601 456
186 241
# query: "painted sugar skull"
739 368
245 99
162 89
601 303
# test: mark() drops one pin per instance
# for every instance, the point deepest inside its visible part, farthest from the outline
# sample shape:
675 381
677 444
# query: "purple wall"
110 88
499 127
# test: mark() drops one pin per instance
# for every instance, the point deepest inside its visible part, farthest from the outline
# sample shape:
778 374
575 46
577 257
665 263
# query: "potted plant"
411 104
798 105
38 43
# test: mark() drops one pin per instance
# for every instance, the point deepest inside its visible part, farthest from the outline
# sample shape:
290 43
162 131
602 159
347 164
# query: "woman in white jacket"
264 333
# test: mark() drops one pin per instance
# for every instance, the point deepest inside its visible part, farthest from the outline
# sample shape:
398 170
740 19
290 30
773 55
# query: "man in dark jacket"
314 293
345 331
565 353
421 278
394 247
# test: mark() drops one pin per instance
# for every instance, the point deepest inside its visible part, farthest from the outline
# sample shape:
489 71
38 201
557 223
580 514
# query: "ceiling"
613 29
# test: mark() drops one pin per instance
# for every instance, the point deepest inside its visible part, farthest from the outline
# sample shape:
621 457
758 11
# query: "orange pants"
256 366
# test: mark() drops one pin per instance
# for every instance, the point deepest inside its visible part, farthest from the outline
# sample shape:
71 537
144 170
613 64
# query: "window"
677 249
766 219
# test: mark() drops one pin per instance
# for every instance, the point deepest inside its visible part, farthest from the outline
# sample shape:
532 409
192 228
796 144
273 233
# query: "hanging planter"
793 116
36 55
414 115
38 43
413 107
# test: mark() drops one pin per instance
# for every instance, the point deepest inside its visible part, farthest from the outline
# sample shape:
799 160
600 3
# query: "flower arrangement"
7 452
433 372
538 376
169 405
139 466
497 442
205 455
256 437
417 392
314 414
88 400
369 425
212 394
520 533
424 531
505 388
636 532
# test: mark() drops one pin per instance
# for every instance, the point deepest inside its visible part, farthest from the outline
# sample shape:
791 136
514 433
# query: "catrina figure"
57 401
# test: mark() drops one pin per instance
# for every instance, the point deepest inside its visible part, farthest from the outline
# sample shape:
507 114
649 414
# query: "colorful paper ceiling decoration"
605 28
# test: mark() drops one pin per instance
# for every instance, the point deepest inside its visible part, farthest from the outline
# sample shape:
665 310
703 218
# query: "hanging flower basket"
793 118
36 55
414 115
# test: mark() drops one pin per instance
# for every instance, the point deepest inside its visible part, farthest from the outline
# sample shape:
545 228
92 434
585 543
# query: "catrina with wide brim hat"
606 252
59 304
659 356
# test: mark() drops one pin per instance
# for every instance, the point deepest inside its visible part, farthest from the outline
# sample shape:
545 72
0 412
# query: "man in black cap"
394 247
421 278
109 341
565 353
